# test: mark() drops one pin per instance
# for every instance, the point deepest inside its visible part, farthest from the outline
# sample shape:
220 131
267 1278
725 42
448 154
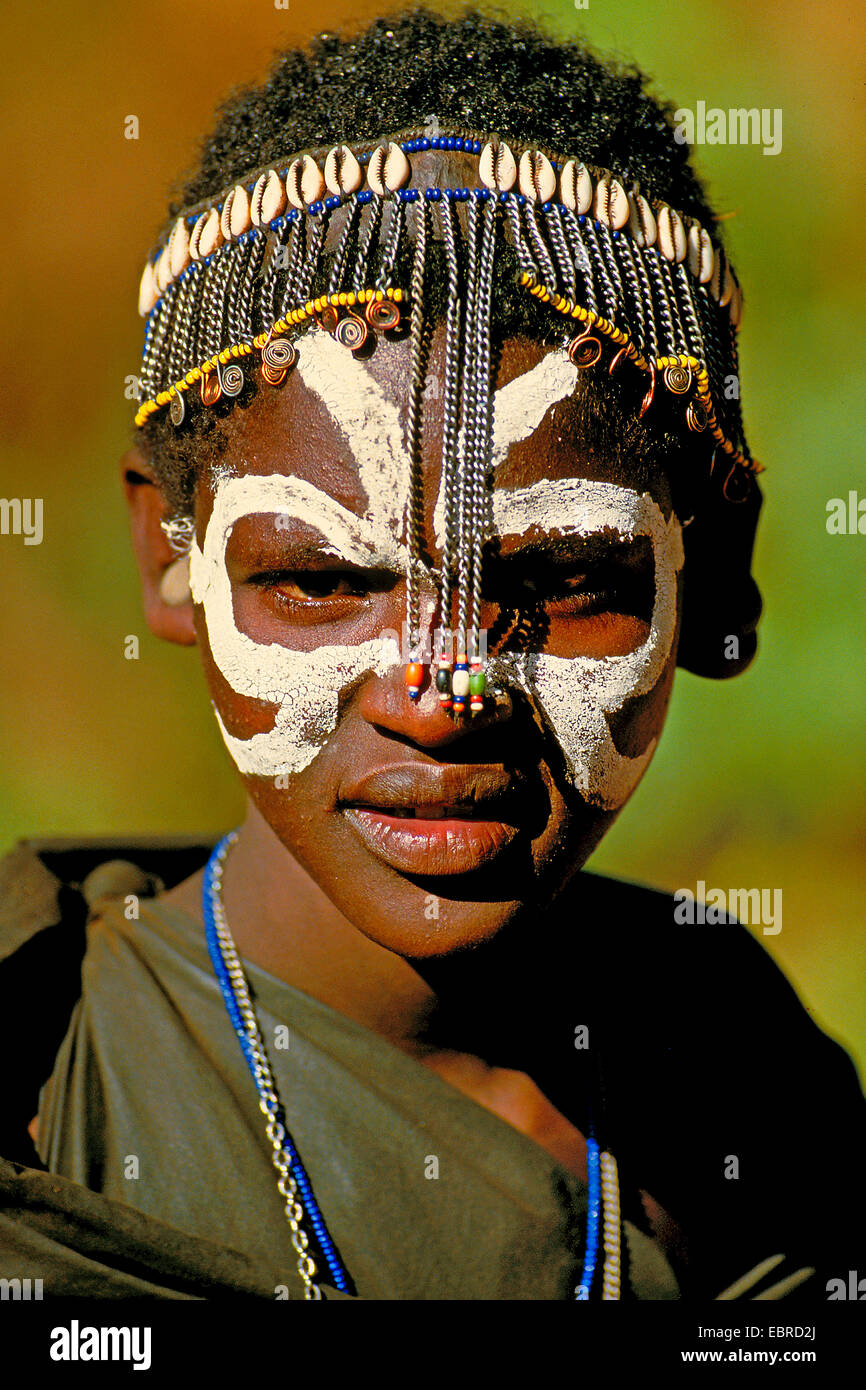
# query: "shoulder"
722 1080
48 890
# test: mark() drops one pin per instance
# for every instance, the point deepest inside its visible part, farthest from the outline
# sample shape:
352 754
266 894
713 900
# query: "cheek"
276 707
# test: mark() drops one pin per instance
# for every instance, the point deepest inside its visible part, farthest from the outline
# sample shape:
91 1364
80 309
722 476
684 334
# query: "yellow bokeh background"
758 782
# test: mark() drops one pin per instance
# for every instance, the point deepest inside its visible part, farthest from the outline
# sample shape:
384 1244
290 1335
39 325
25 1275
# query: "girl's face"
430 833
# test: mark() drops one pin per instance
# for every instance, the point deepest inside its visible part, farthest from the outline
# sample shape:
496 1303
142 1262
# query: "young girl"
436 464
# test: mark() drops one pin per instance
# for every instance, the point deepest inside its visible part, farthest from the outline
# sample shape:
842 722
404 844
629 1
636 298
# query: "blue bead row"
311 1206
593 1212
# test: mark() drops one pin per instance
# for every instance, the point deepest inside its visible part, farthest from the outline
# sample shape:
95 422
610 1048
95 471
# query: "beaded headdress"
631 279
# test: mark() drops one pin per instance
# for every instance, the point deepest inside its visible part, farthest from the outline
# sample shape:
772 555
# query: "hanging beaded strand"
450 423
415 508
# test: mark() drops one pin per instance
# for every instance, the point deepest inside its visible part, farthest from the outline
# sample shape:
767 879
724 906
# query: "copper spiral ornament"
351 332
697 417
232 380
678 379
278 355
382 314
211 388
328 318
584 351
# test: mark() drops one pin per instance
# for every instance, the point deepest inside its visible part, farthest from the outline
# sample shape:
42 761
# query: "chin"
422 890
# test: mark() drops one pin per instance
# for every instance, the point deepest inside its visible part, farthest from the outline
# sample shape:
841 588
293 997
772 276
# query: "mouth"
430 839
427 819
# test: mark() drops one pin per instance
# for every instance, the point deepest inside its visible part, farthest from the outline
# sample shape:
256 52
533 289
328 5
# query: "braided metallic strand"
465 480
178 361
663 314
366 241
156 327
297 246
581 257
481 501
215 328
255 257
392 247
607 248
548 273
413 432
336 281
666 275
311 261
564 258
608 289
637 257
450 402
521 248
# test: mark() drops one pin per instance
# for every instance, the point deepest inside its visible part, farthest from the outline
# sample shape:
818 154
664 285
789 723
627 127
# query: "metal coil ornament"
382 314
232 380
584 351
650 394
211 388
697 418
278 355
328 318
351 332
678 379
177 409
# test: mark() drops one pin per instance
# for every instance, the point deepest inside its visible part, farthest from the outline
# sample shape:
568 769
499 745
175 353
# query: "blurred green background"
759 782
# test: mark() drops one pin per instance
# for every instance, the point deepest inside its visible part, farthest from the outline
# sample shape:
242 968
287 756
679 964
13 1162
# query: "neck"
282 921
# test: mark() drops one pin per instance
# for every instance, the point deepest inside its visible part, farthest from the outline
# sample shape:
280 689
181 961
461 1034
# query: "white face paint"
575 695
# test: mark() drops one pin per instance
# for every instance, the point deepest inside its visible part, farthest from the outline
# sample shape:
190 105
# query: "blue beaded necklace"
294 1186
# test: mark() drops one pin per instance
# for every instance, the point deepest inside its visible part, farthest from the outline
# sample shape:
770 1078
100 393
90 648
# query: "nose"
385 701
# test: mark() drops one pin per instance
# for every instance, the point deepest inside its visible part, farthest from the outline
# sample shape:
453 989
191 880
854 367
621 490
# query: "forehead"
339 423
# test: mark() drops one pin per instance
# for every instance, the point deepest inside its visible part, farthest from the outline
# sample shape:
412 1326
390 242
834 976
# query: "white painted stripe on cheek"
577 694
304 685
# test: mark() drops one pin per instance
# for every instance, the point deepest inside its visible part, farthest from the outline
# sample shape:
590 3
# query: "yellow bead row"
345 299
595 321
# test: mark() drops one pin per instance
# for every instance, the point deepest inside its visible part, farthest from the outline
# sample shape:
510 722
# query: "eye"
313 586
576 589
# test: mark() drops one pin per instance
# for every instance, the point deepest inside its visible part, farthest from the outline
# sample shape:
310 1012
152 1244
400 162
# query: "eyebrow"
570 547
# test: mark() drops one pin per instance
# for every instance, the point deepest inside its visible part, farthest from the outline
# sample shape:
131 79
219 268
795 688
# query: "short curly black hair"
473 71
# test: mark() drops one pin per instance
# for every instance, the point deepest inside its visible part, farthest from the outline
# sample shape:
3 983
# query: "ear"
722 602
155 557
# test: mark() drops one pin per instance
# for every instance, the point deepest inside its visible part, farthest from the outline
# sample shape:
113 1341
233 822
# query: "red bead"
414 672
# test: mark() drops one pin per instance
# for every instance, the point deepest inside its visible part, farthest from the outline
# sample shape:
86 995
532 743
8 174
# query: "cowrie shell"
235 217
497 168
610 204
178 247
163 273
268 200
211 234
728 283
293 184
642 222
575 185
736 307
700 253
312 180
537 179
147 291
342 171
672 235
388 170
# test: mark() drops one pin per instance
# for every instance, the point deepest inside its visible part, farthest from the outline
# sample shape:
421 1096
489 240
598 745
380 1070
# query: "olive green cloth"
427 1194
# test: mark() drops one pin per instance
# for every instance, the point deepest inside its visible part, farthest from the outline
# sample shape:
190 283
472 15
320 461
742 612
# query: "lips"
428 819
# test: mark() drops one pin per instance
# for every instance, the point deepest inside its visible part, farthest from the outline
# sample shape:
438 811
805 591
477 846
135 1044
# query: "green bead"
477 683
